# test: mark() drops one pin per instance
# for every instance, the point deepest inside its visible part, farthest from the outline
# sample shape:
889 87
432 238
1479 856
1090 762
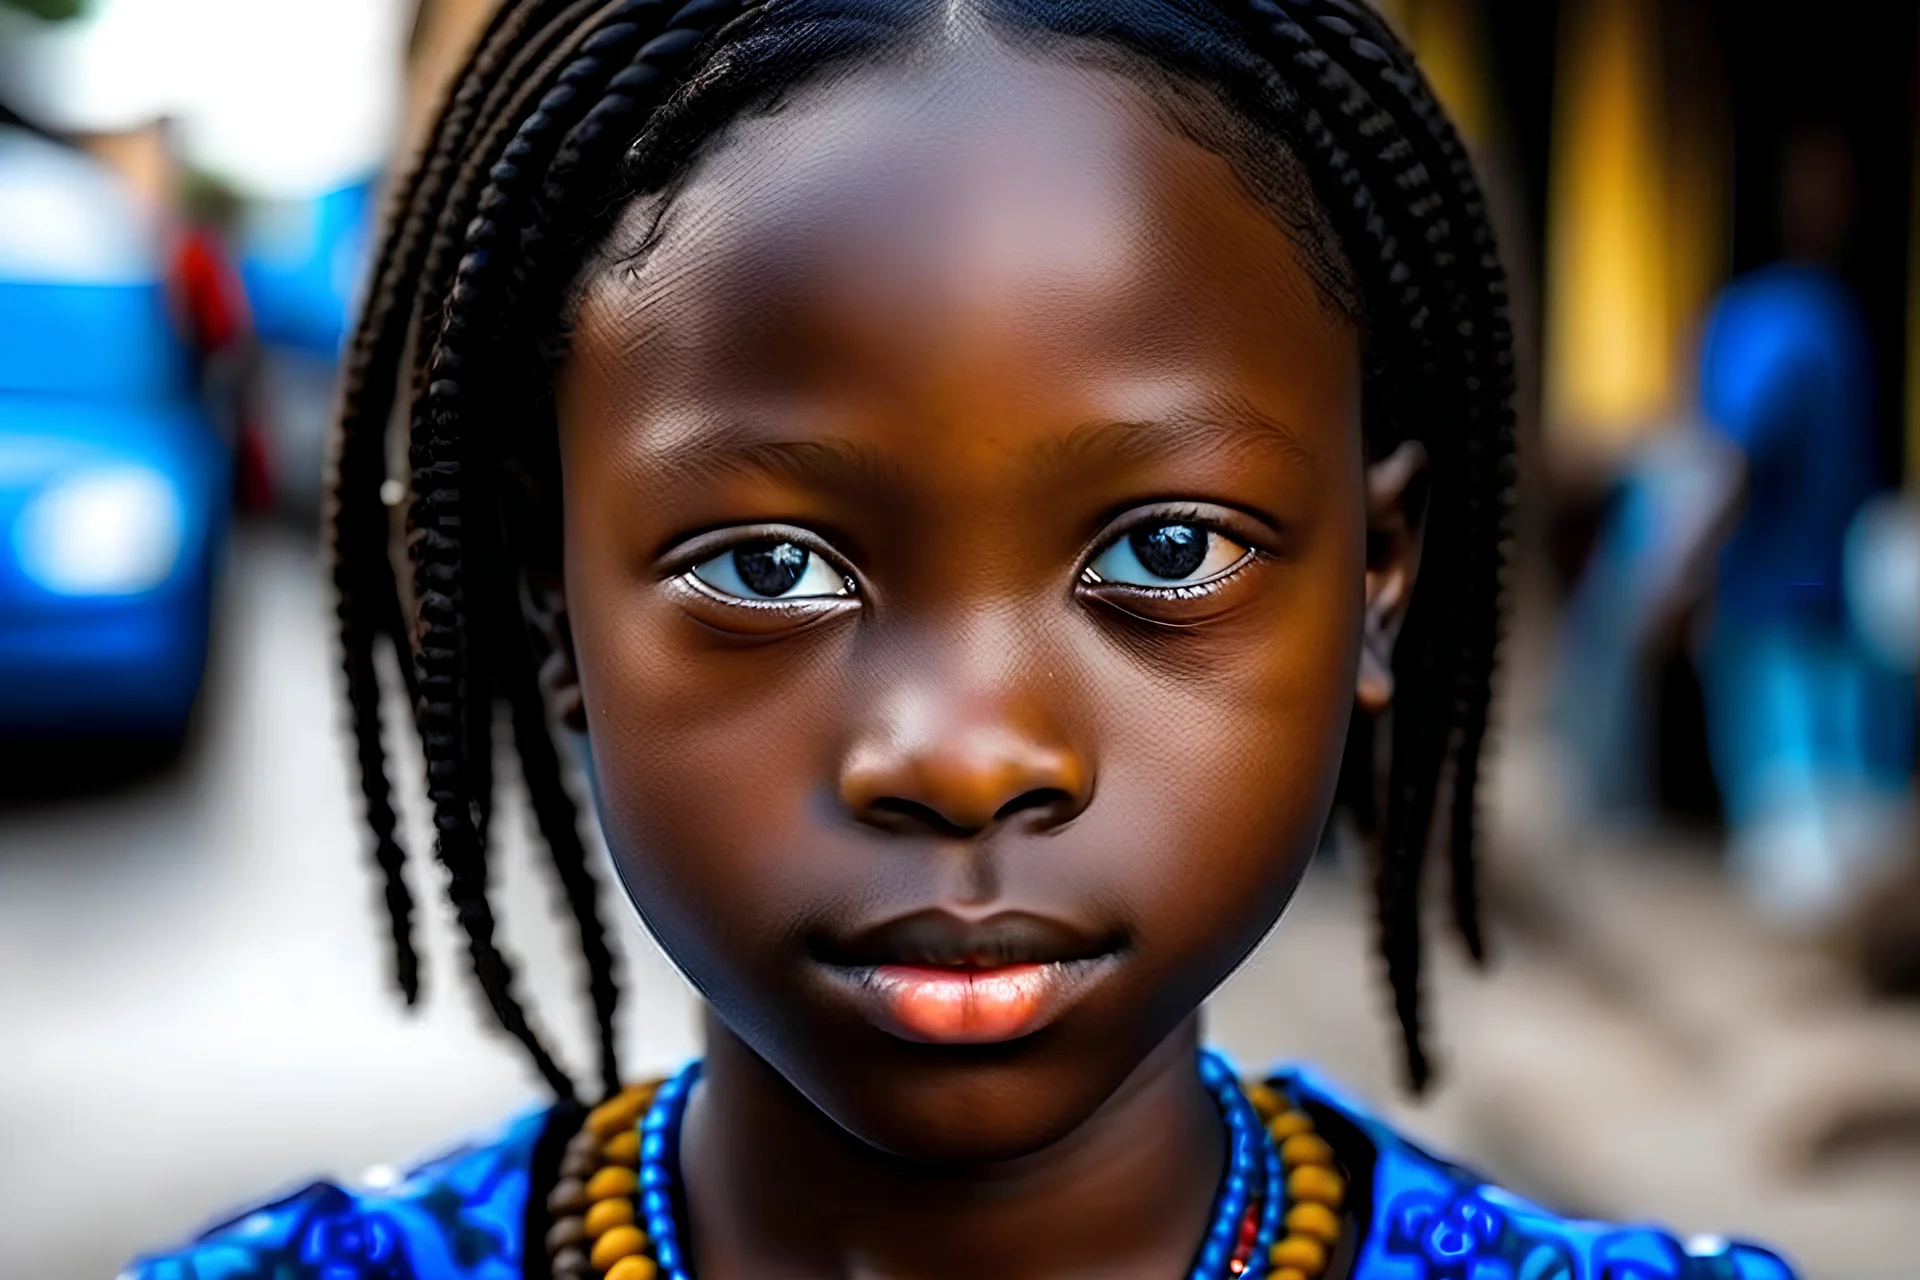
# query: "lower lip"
971 1006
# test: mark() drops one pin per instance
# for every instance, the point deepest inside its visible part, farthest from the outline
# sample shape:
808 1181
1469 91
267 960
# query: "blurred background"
1705 877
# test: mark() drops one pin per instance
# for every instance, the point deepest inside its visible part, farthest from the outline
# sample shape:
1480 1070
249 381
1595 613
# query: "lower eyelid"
689 569
1234 570
782 603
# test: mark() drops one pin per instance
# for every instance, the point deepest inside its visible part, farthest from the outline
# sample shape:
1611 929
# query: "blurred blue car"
113 483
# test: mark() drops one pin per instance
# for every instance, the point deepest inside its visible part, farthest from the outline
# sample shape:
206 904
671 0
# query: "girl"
964 466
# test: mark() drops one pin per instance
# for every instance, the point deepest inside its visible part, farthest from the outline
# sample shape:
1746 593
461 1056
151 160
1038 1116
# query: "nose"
959 770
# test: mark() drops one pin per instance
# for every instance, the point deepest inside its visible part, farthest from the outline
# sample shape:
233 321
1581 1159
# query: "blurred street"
1700 788
196 1005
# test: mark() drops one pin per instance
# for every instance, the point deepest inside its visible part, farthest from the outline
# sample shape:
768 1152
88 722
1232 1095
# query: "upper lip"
942 939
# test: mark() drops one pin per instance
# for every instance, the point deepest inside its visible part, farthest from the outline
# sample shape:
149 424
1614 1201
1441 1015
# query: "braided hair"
568 110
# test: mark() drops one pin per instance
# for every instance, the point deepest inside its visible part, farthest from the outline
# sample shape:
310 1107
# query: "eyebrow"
1222 423
713 453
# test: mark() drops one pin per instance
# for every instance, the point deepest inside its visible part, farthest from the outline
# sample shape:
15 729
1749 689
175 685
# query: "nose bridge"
967 727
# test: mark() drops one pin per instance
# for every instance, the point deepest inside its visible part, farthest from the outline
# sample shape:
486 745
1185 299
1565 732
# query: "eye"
1166 554
770 569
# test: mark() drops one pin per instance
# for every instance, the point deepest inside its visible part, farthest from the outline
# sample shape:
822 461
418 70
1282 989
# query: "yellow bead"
621 1242
622 1111
1305 1148
1288 1123
608 1214
1317 1183
1266 1101
1315 1221
1300 1253
1287 1273
633 1267
612 1181
623 1148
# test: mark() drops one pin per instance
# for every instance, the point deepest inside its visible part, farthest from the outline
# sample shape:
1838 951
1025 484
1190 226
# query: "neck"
775 1187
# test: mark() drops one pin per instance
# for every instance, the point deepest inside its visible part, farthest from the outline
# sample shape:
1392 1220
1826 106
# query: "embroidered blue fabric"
1433 1220
463 1216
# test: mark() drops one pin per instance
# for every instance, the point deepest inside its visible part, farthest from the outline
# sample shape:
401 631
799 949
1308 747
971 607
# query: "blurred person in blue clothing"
1803 722
1749 513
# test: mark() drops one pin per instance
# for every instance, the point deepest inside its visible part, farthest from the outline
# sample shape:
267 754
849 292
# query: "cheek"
705 756
1221 768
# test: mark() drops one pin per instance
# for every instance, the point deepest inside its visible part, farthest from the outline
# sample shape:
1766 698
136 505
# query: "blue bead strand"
1247 1168
1253 1169
1270 1181
660 1169
1272 1211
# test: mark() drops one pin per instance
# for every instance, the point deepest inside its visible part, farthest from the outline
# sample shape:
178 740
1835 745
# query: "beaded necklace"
1277 1213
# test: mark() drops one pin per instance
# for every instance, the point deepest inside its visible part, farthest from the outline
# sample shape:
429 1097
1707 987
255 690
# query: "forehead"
974 209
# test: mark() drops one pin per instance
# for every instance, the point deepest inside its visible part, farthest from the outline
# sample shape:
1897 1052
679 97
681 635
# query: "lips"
942 940
937 978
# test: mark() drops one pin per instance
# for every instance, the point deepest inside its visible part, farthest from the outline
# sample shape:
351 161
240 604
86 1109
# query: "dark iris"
1169 550
770 568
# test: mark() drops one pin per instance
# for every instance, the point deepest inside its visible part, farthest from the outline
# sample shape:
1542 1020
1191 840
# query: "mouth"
937 978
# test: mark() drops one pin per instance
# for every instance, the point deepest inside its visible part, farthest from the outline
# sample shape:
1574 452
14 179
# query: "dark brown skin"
955 330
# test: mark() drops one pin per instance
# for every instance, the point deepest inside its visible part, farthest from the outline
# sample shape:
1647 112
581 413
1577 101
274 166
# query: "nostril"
1039 798
899 814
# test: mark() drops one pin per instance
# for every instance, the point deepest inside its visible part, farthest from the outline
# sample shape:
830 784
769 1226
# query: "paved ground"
192 1005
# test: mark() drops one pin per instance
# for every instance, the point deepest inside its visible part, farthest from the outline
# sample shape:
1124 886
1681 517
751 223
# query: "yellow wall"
1610 357
1446 37
1636 232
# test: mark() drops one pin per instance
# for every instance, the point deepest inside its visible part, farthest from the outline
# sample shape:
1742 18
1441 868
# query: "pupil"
1170 550
771 568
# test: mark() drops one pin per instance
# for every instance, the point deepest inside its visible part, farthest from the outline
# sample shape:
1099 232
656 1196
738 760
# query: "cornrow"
569 111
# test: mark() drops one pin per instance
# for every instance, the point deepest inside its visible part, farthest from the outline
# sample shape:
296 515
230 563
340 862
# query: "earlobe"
559 674
1373 686
1396 492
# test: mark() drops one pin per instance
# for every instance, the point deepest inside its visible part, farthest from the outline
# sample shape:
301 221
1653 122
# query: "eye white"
1121 563
806 576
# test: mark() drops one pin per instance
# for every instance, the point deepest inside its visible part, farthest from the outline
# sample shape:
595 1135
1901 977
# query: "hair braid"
553 224
559 823
1488 458
368 603
455 680
1426 232
455 508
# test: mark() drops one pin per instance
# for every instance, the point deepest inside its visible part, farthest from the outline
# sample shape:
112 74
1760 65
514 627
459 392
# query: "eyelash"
684 561
1160 516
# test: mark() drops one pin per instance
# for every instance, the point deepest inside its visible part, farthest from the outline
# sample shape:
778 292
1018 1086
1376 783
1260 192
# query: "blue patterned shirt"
465 1216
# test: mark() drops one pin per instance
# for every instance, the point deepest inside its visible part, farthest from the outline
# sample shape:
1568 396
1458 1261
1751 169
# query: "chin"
971 1104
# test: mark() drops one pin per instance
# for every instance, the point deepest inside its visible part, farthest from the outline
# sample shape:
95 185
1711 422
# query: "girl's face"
967 565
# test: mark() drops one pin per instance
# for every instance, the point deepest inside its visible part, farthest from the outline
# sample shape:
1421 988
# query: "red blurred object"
218 327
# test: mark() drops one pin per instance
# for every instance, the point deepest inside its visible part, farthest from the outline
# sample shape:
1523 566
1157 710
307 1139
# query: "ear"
559 672
1396 526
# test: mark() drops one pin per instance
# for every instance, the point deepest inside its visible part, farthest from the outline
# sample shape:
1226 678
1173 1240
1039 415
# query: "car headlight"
108 532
